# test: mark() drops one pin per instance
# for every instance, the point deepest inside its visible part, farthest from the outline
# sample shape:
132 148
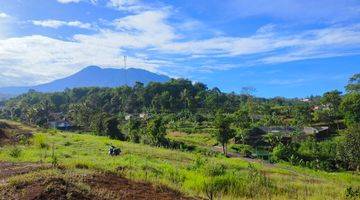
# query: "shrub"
156 132
67 143
24 139
15 152
257 179
282 152
349 151
54 158
134 130
352 193
40 141
172 174
215 169
198 163
81 166
111 128
235 184
211 189
244 150
134 136
206 151
231 184
54 161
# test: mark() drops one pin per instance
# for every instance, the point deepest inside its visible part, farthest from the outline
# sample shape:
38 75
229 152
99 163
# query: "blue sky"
292 48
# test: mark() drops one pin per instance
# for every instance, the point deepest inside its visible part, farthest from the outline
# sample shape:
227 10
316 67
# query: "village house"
59 121
61 125
315 130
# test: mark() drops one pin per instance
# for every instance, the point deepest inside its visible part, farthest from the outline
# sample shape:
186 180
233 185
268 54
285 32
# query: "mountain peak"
93 76
92 67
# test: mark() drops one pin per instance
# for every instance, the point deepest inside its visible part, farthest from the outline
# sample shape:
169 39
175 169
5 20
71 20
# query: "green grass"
194 139
194 174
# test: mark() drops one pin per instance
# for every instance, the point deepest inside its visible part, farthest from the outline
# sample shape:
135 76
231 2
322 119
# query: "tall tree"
156 131
224 132
350 106
111 128
332 101
354 84
302 114
350 152
249 93
133 130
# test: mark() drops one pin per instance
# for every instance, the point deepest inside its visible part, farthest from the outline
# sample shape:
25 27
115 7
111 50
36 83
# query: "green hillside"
191 173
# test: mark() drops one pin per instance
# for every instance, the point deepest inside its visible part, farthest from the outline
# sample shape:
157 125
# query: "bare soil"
97 186
8 170
12 133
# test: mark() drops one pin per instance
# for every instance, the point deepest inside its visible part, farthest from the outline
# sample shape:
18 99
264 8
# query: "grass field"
193 174
194 139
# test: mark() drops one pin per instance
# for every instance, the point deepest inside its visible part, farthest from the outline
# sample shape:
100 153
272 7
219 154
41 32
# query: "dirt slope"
74 185
12 132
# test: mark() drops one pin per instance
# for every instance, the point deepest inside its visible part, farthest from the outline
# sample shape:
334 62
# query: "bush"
134 136
172 174
111 128
40 141
257 179
215 169
134 130
234 184
24 139
228 184
182 146
349 151
206 151
212 188
243 149
81 166
352 193
156 132
282 152
198 163
15 152
67 143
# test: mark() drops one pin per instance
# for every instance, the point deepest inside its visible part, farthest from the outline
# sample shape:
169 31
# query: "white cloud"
3 15
5 24
79 24
294 81
154 43
46 58
127 5
57 23
68 1
150 26
274 47
77 1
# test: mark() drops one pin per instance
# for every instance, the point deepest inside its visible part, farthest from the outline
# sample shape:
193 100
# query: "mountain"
93 76
5 96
